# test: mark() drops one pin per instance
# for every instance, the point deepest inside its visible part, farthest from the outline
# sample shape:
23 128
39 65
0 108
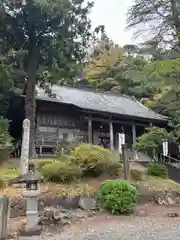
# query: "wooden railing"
48 141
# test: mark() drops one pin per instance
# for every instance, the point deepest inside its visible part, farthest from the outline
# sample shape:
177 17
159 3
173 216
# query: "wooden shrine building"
96 117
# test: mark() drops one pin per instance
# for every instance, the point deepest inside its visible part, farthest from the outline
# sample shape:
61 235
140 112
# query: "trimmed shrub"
118 196
61 172
157 170
63 158
41 163
113 169
65 147
91 159
136 174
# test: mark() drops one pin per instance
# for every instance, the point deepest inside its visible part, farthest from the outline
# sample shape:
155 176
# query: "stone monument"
25 147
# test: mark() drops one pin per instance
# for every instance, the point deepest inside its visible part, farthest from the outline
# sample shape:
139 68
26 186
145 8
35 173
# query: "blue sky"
111 13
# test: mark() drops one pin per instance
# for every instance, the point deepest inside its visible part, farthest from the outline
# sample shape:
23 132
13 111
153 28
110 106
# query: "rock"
170 201
177 200
69 202
87 203
65 202
60 216
173 214
17 207
160 201
142 211
166 200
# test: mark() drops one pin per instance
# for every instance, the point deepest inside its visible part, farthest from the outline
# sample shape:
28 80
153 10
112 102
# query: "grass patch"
90 186
9 173
155 184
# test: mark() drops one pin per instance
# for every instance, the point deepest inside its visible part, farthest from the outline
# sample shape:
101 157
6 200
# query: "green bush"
62 172
2 184
118 196
91 159
157 170
136 174
5 140
113 169
41 163
151 141
65 147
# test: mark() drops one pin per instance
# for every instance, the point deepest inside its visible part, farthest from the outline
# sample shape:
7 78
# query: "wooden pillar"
134 133
134 139
111 131
89 130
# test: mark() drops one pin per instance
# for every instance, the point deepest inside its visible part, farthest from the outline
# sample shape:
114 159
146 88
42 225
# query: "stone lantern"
31 192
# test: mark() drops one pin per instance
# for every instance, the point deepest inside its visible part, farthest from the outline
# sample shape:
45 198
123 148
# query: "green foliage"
111 70
152 140
113 169
118 196
5 140
2 184
42 162
9 173
136 174
143 13
91 159
162 72
65 147
157 170
62 172
50 48
83 161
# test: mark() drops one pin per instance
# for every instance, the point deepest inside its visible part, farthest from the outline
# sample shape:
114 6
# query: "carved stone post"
25 147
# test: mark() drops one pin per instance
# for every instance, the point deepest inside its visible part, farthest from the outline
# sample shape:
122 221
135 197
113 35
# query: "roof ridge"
96 92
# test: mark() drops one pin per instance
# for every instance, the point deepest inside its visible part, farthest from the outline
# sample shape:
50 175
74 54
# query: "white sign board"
121 137
165 148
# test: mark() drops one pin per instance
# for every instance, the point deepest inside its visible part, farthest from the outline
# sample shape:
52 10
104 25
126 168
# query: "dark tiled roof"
101 102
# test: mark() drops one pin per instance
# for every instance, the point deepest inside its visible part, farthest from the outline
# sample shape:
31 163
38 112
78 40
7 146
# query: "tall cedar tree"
52 34
158 19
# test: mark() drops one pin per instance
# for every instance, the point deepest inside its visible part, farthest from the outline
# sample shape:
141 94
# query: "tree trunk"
30 101
176 19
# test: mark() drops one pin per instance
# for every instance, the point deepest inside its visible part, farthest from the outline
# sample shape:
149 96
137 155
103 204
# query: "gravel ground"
122 228
156 225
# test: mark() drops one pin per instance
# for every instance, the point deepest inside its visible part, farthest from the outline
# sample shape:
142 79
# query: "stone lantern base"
31 208
30 234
